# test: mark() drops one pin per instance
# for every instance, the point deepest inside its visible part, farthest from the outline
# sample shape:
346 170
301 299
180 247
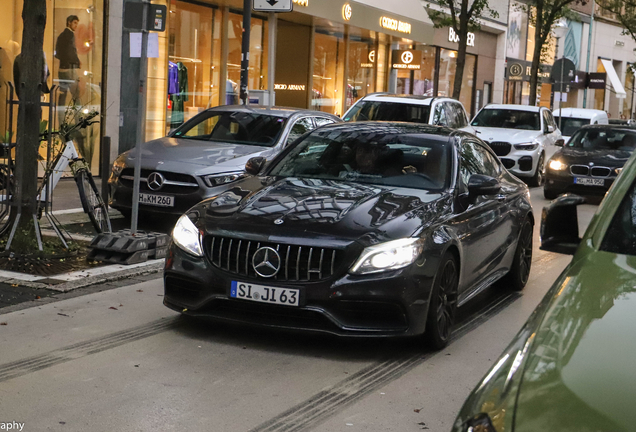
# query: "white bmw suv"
438 111
523 137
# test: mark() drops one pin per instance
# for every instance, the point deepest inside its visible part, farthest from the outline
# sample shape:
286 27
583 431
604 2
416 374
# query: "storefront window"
328 71
74 58
257 76
194 61
599 94
361 66
422 81
447 66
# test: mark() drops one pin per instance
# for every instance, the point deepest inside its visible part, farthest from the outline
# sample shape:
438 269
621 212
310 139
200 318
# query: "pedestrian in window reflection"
66 52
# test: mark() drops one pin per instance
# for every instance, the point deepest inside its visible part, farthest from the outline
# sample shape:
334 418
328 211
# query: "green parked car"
572 367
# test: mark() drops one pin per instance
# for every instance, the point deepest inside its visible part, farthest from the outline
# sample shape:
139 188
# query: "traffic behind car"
570 368
575 118
589 163
359 229
409 108
206 152
523 137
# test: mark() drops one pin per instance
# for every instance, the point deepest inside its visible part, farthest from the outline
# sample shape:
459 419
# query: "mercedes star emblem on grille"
155 181
278 221
266 262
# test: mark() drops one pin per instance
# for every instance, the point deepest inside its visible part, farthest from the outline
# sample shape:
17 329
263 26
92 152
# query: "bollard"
105 169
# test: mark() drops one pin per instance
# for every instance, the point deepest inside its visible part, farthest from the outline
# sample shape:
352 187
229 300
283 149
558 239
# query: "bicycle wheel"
92 201
6 194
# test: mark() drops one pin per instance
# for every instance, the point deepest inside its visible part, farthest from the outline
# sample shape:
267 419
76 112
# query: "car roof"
514 107
406 99
275 110
401 128
609 126
580 113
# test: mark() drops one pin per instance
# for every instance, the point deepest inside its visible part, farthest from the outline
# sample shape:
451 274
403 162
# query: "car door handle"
500 197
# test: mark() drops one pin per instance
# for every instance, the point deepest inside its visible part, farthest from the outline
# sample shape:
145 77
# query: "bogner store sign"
407 59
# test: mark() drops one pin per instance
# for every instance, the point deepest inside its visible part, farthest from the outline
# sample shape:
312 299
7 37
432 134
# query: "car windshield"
604 139
389 111
621 234
569 125
383 158
508 119
233 127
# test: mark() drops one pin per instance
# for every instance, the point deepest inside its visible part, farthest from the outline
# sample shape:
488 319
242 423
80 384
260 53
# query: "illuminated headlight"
118 166
557 165
388 256
186 235
220 179
527 146
618 170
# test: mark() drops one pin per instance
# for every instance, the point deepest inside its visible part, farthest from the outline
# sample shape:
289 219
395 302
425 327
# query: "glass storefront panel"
629 89
328 70
422 81
447 66
361 65
194 61
257 76
599 94
73 56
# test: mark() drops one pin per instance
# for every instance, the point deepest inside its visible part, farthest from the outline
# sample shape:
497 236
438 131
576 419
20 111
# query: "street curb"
155 267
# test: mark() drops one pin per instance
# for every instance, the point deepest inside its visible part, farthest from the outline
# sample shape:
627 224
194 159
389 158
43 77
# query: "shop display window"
447 66
328 70
361 65
73 55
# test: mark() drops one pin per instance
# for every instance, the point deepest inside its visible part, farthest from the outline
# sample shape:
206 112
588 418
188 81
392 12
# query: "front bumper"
522 163
388 304
560 182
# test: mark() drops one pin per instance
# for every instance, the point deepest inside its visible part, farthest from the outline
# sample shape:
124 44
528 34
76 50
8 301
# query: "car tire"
443 305
539 174
550 194
517 278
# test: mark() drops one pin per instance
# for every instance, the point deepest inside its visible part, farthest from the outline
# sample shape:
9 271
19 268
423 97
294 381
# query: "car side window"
452 115
462 121
476 160
439 117
546 121
299 128
321 121
621 234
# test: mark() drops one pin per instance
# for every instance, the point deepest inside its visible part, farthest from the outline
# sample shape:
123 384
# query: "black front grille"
298 263
127 174
500 148
600 172
579 169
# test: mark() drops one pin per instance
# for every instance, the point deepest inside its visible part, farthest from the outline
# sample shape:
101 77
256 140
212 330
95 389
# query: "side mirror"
560 225
254 165
550 129
479 184
560 142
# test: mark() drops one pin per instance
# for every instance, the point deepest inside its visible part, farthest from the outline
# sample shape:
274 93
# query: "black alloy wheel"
539 175
517 277
443 306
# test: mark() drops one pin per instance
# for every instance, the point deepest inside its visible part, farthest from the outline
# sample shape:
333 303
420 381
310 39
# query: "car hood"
194 156
580 374
513 136
268 208
608 158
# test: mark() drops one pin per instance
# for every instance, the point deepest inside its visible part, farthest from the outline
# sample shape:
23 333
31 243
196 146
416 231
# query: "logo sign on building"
407 59
454 37
347 12
515 72
371 57
395 25
596 80
155 20
272 5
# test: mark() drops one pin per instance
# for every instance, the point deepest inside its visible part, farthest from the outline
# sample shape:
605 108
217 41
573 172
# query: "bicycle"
92 202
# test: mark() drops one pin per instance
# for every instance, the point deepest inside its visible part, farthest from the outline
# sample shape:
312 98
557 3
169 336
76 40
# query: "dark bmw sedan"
359 229
590 161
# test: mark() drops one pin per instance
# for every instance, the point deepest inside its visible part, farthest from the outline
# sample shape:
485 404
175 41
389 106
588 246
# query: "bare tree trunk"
461 61
29 115
536 55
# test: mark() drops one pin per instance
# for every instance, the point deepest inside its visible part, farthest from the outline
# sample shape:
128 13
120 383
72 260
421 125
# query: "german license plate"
265 294
587 181
156 200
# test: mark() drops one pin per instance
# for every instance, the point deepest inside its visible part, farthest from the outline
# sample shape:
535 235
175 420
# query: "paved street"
118 360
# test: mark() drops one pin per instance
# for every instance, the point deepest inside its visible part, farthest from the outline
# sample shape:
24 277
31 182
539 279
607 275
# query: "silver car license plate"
265 294
156 200
587 181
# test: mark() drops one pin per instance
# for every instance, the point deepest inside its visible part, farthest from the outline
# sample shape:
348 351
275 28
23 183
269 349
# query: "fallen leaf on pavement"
140 290
62 314
3 323
120 305
38 297
136 365
113 308
417 410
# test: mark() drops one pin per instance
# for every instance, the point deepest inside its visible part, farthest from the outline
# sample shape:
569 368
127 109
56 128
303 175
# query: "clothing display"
179 98
173 78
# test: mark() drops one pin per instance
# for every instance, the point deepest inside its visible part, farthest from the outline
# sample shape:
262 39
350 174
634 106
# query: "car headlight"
527 146
618 170
557 165
187 236
391 255
220 179
118 166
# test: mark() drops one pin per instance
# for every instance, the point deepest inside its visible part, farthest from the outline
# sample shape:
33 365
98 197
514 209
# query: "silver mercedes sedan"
206 152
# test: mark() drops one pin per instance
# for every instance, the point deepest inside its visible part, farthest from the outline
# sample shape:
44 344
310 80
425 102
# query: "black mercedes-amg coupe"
359 229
